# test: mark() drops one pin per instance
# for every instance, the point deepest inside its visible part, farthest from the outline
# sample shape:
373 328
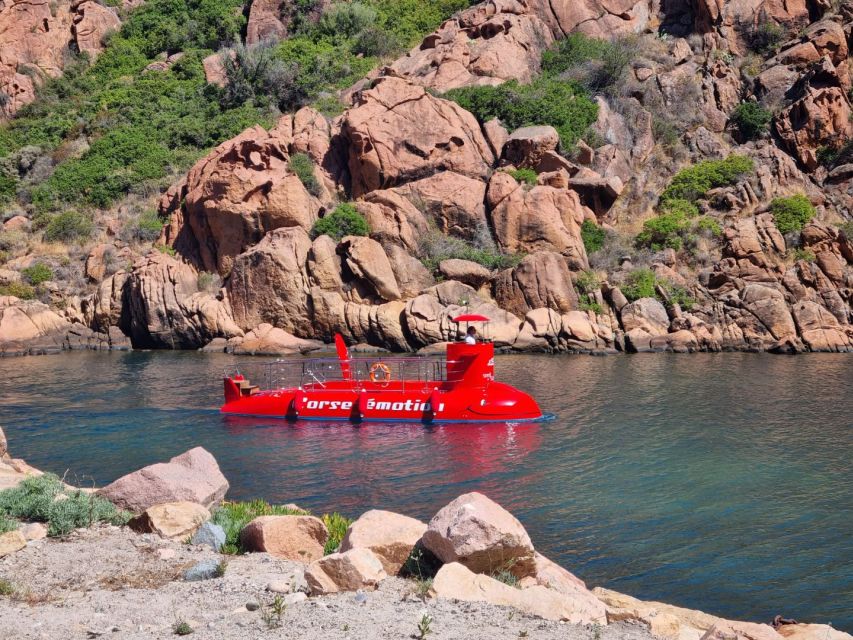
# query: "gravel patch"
108 582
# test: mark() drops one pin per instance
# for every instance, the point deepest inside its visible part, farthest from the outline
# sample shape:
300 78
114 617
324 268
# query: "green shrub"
680 206
37 273
337 526
7 525
664 231
233 516
436 247
68 226
527 176
766 37
545 101
708 224
847 228
182 628
18 289
44 499
346 19
677 295
587 281
147 227
345 220
8 187
587 303
804 253
593 236
694 182
595 64
751 119
640 283
303 167
791 213
257 75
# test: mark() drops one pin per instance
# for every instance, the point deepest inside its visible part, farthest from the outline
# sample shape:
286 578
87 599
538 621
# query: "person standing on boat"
471 336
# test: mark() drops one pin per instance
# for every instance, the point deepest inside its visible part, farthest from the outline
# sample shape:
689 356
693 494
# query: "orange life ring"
380 366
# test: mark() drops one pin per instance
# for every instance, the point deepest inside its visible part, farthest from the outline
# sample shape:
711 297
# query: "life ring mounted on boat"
376 376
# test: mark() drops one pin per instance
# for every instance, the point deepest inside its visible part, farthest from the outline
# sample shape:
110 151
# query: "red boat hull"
470 394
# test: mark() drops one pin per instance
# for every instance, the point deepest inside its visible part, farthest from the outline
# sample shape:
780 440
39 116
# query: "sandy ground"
111 583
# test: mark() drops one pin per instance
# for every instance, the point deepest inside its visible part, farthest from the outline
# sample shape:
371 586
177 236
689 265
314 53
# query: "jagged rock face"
34 36
164 308
27 326
484 45
598 18
265 21
398 133
820 117
735 20
541 280
269 283
240 191
540 219
454 202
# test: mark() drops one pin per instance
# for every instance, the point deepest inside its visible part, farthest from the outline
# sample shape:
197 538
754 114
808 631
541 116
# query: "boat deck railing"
414 373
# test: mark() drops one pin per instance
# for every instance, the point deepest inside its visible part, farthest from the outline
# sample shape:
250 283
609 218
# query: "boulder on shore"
193 476
481 535
297 538
456 582
173 520
348 571
390 536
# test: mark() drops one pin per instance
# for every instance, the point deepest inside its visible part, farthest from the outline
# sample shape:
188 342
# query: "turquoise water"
713 481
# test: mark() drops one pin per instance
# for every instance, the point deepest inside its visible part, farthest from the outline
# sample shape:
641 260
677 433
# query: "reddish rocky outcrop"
29 327
92 22
390 536
398 133
296 537
265 20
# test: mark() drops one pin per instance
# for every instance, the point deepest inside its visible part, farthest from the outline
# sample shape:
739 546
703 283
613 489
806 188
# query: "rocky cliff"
704 205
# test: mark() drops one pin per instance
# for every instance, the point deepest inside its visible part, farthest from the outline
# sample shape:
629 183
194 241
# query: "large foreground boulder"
390 536
481 535
11 541
193 476
455 582
173 520
348 571
297 538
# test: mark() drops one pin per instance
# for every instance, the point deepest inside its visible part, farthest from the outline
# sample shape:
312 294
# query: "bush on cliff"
640 283
45 499
436 247
751 119
792 213
345 220
303 167
37 273
694 182
18 290
68 226
545 101
595 64
593 236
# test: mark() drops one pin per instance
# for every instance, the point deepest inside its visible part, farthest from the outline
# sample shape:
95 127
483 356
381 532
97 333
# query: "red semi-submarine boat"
460 388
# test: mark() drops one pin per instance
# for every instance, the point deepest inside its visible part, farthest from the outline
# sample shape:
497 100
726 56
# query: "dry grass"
143 576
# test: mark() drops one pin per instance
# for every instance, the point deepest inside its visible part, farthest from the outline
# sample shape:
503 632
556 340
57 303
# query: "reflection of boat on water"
458 388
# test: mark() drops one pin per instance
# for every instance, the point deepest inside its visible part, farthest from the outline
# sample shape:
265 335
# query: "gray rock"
251 605
210 534
204 570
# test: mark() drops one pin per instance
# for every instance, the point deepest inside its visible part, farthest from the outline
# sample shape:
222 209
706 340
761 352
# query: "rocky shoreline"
166 556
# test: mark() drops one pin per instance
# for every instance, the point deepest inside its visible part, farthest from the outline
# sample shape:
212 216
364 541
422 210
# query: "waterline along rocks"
473 566
611 177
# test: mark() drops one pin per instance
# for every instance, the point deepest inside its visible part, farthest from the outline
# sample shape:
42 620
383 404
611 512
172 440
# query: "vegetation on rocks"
694 182
68 226
303 167
640 283
345 220
435 247
337 526
593 236
545 101
751 119
45 499
18 289
37 274
233 516
792 213
595 64
526 176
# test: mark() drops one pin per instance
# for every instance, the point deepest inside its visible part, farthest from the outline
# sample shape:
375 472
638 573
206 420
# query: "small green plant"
678 295
423 587
37 273
6 587
424 626
68 226
640 283
791 213
506 577
182 628
710 226
210 282
303 167
147 227
345 220
167 250
7 524
587 303
804 253
593 236
18 289
527 176
847 229
337 526
664 231
436 247
272 614
221 568
751 119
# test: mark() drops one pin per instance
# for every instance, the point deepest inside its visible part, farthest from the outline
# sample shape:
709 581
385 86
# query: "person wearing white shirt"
471 336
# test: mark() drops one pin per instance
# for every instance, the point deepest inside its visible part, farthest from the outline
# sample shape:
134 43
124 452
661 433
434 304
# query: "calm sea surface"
722 482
